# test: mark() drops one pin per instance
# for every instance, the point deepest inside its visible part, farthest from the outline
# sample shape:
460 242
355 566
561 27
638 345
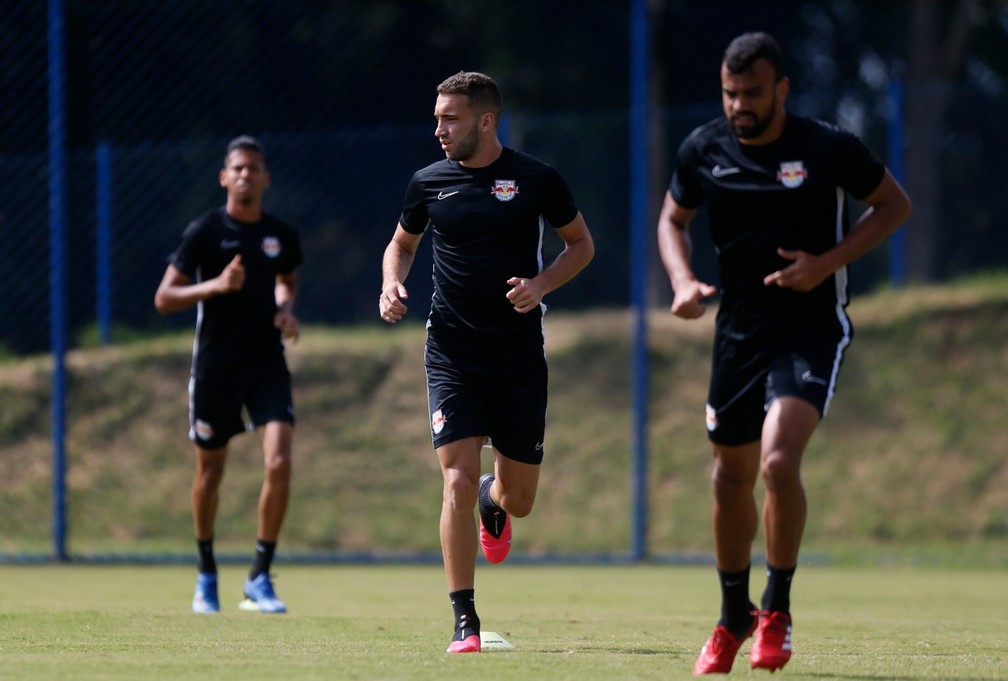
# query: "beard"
465 147
749 124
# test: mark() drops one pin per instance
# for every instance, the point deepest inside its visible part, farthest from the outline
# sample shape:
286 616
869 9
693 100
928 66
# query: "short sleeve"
859 171
685 185
415 217
558 200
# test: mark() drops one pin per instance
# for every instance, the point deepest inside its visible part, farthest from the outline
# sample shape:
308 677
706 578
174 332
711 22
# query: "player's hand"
232 278
525 294
290 328
805 272
689 296
390 303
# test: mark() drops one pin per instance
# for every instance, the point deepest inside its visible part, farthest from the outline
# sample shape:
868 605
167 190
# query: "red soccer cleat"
718 654
772 647
470 644
495 526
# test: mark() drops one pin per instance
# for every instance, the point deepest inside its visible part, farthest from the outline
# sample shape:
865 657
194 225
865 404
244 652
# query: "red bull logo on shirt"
271 246
792 174
504 190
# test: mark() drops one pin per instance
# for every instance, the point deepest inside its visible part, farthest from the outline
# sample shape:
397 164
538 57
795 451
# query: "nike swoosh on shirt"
718 171
441 195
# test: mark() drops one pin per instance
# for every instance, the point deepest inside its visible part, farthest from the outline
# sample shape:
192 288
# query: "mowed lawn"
567 622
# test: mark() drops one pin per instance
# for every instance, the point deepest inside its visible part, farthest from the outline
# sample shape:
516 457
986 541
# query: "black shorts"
215 403
500 398
747 376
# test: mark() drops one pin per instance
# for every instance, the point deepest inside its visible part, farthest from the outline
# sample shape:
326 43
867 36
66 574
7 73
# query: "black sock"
736 608
491 514
263 558
777 596
204 556
467 622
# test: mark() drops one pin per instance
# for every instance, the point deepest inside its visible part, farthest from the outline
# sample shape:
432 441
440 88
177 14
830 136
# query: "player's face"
457 127
754 101
244 176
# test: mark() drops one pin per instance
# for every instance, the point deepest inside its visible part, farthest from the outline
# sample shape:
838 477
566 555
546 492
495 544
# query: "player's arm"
579 249
888 208
676 250
176 292
284 291
396 263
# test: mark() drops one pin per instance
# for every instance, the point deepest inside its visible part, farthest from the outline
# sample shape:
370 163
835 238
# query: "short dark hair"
746 49
483 93
246 143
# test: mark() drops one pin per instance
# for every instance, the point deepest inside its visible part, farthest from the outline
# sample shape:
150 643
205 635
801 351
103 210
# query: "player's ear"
487 121
220 177
783 87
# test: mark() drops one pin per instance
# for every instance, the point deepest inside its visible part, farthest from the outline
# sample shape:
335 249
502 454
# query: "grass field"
393 622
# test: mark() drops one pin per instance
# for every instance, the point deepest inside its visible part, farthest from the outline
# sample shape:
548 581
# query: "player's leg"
460 469
214 417
800 385
260 594
517 431
789 425
271 409
734 422
509 491
515 485
204 499
734 520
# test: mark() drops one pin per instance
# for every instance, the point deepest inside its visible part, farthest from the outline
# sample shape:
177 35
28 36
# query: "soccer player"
774 184
485 206
238 264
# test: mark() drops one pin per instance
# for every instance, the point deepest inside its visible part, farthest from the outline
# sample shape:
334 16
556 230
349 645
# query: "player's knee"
517 504
779 470
278 467
460 488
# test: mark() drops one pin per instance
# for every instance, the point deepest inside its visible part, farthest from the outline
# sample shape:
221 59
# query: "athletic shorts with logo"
501 396
216 402
747 375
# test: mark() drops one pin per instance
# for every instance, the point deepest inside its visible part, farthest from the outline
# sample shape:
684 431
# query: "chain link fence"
340 93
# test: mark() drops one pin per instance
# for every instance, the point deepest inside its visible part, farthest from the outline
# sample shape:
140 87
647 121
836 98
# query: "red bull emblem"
271 246
504 190
792 174
437 422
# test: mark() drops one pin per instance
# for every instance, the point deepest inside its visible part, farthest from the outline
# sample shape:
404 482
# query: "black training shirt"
236 328
486 226
790 194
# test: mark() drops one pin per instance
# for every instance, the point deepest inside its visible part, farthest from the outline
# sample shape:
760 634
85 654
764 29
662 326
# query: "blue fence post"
897 255
57 269
638 269
103 249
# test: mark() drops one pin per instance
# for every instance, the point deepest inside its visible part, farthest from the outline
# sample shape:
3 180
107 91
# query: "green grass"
908 467
393 622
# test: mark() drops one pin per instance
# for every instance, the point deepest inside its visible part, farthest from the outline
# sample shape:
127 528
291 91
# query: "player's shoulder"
434 171
816 129
713 133
209 220
521 163
274 223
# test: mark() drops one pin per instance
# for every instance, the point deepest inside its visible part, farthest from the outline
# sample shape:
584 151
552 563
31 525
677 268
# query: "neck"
250 212
485 155
771 134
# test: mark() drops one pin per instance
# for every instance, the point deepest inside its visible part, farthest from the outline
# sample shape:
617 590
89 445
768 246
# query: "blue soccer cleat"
260 596
205 598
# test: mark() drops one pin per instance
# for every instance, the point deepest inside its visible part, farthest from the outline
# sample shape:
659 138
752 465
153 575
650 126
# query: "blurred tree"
939 45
